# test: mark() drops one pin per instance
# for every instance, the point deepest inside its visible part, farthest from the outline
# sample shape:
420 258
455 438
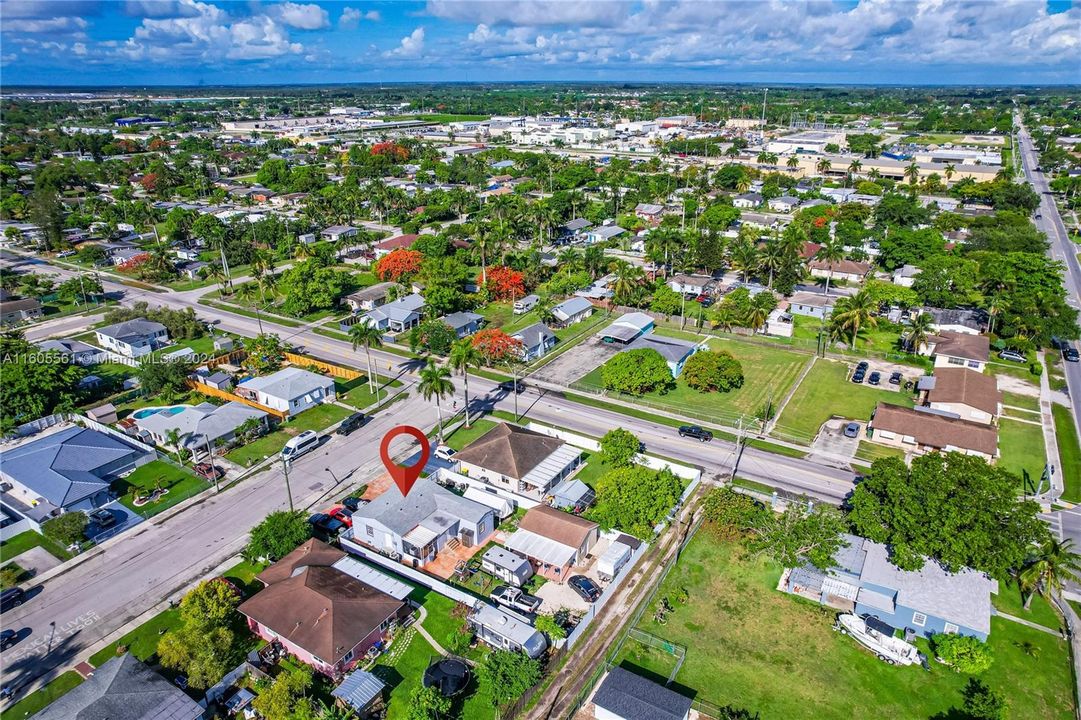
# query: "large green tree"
634 499
505 676
637 372
277 535
951 508
33 383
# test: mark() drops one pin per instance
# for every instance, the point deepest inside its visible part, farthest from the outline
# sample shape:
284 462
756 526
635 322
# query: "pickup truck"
515 599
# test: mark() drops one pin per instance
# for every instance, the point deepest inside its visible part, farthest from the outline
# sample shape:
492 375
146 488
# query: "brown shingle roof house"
510 450
320 614
960 345
915 429
557 525
954 385
553 541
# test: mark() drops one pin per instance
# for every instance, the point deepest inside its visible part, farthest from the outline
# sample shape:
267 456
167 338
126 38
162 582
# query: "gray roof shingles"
634 697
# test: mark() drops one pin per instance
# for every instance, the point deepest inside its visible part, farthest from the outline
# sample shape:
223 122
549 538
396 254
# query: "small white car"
445 452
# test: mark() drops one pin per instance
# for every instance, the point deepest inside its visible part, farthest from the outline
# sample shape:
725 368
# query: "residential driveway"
35 561
557 596
573 364
831 443
125 520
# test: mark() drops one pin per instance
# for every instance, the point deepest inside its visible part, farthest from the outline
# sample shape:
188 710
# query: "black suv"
693 431
351 423
586 588
510 386
102 518
1070 354
11 598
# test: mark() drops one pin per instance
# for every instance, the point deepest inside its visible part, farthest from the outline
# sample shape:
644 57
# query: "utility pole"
213 470
739 448
288 490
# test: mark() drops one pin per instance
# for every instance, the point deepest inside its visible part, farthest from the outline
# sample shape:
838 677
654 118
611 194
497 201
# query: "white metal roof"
542 474
420 536
541 548
370 576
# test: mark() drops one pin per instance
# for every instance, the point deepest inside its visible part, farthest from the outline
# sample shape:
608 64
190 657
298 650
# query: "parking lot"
556 596
885 371
832 444
570 366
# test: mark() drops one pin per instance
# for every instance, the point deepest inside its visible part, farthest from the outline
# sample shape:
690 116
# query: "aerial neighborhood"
584 400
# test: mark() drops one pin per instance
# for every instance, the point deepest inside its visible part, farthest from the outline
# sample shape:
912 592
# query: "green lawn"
1010 601
1069 453
30 539
180 483
1022 450
465 435
1015 370
37 700
873 451
825 392
1027 402
767 371
142 642
317 418
882 339
777 655
355 392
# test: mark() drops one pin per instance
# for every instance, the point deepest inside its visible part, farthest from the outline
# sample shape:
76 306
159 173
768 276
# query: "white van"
302 443
525 304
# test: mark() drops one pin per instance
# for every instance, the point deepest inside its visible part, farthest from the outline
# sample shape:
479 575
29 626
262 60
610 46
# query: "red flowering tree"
395 150
398 264
149 182
158 144
503 283
134 264
494 345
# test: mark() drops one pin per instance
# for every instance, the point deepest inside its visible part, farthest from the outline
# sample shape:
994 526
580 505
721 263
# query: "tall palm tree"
774 258
919 331
1054 563
831 252
823 166
792 162
949 171
543 308
627 283
246 293
874 174
763 158
853 167
173 438
216 273
435 382
363 333
762 305
743 184
594 261
744 255
464 356
912 173
1005 173
854 312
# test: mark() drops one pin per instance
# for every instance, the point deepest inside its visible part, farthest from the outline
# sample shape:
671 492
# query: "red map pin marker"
405 475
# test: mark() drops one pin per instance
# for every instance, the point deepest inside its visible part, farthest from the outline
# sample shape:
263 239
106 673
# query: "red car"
341 515
209 472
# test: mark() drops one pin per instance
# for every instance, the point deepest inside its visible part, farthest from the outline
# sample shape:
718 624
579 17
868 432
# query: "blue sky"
155 42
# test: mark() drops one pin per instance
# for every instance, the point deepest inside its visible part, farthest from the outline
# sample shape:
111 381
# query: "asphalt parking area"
568 367
560 595
832 443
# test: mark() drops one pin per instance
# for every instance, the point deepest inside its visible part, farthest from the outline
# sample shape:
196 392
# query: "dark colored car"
862 365
696 432
351 423
102 518
209 471
352 504
852 430
11 598
896 378
509 386
8 638
325 524
858 376
706 303
1070 354
875 378
586 588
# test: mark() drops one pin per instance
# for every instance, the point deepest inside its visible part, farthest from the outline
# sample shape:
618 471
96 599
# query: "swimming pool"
147 412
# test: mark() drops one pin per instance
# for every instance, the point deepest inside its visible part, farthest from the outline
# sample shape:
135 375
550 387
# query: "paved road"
1061 249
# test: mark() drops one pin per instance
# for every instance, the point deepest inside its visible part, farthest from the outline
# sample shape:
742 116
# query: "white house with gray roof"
536 340
674 350
76 351
200 425
291 390
463 323
67 470
572 310
506 631
418 525
396 316
133 338
930 600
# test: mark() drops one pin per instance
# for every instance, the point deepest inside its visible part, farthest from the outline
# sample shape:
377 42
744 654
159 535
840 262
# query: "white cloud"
160 8
301 16
79 49
581 13
351 17
44 9
411 46
51 25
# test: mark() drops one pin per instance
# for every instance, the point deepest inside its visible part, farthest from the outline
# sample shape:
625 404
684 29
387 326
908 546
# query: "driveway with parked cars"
834 443
123 519
555 596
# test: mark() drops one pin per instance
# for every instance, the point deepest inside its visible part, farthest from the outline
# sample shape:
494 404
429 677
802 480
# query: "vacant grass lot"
355 392
754 647
30 539
825 392
1025 402
37 700
180 483
1022 450
1069 453
766 371
316 418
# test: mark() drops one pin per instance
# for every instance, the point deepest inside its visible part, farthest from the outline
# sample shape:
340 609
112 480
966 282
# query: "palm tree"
823 166
543 308
854 167
246 294
854 312
216 273
874 174
763 158
173 438
594 261
435 382
743 184
1005 173
774 258
627 283
831 252
792 162
363 333
1054 563
761 306
744 255
912 173
948 171
919 331
464 356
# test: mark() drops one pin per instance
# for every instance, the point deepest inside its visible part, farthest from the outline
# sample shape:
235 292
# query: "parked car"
325 524
8 637
351 423
862 365
696 432
858 376
515 599
353 503
445 452
708 302
1013 356
852 430
875 378
586 588
896 378
209 471
11 598
510 386
102 518
302 443
1070 354
342 514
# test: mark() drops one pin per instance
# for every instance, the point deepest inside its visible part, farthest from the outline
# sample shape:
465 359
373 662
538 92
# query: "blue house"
463 323
675 351
930 600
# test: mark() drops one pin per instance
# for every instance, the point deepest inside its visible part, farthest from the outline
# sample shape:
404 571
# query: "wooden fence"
333 370
215 392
